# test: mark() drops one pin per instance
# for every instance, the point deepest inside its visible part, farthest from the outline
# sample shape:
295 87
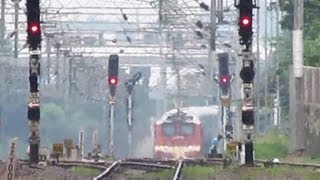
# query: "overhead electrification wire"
125 33
121 24
185 20
193 62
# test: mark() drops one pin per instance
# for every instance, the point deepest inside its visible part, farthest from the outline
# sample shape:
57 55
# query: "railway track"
167 164
148 165
265 163
131 165
88 165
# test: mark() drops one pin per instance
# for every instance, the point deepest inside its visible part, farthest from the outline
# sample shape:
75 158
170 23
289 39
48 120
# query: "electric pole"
48 50
162 23
220 11
1 125
81 143
2 24
297 113
177 71
273 7
130 85
57 69
16 27
168 20
95 138
130 103
70 78
212 55
257 61
278 100
265 54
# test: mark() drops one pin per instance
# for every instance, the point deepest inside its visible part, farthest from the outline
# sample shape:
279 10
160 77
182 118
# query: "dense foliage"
284 51
311 28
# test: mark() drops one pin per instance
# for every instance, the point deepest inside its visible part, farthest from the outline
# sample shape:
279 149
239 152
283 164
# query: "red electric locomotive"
178 135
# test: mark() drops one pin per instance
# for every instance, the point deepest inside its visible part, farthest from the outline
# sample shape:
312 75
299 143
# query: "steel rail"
270 164
66 165
177 174
108 171
149 165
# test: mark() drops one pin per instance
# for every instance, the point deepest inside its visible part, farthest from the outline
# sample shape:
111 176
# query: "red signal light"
245 21
112 81
224 79
34 28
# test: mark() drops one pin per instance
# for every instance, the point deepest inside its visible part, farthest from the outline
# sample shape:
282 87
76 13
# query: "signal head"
137 76
113 73
34 113
247 72
247 118
34 35
224 84
245 22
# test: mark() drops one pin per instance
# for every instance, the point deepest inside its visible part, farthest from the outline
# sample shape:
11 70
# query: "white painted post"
81 147
11 161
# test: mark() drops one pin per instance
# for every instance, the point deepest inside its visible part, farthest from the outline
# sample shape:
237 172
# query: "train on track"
186 133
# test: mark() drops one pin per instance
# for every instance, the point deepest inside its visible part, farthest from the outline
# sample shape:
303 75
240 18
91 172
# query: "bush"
271 145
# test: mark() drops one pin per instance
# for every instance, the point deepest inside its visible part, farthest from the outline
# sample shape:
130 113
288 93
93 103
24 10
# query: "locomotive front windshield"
169 129
187 129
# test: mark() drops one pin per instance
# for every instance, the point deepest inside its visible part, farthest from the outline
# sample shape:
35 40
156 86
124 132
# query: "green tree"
311 28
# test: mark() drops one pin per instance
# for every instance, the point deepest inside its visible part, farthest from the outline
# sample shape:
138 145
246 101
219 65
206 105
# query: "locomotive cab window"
187 129
168 129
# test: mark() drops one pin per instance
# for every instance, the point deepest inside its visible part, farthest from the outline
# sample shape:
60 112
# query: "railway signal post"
113 67
247 111
130 83
34 42
247 75
224 79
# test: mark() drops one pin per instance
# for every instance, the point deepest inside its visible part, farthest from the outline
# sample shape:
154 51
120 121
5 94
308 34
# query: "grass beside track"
238 173
274 145
85 171
198 172
271 146
277 172
163 175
